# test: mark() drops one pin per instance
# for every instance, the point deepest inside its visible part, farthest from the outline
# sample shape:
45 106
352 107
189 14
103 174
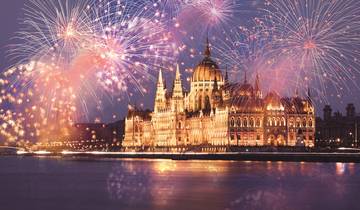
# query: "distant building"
89 137
217 112
336 130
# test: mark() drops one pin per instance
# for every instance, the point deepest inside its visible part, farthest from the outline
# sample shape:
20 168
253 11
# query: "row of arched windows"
245 122
271 121
301 122
276 121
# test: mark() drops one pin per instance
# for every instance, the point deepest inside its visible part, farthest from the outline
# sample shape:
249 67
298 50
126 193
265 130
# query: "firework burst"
40 92
69 54
52 30
244 49
133 43
316 41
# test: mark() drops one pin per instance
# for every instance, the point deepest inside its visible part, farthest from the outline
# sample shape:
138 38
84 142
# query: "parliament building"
218 112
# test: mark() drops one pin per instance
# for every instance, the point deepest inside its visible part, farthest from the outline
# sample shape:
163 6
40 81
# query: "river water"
49 183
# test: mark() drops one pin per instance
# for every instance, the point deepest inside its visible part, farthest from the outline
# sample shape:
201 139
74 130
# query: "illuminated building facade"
218 113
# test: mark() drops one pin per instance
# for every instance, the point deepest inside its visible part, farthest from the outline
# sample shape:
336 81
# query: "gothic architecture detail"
217 112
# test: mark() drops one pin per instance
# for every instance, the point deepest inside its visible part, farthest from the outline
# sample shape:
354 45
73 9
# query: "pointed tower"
226 82
216 87
160 98
257 90
177 91
296 93
226 88
216 95
177 94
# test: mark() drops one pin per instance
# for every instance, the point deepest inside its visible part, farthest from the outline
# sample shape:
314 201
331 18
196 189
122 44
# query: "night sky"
11 12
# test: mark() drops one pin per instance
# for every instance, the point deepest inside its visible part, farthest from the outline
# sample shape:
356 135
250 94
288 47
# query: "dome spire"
226 76
207 52
257 86
296 93
245 78
257 82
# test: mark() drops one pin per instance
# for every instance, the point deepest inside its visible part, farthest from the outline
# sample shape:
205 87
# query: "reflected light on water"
340 168
164 166
143 184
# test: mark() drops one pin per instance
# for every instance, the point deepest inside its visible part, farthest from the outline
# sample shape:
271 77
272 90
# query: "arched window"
238 122
273 123
304 122
278 122
258 124
298 122
310 123
245 122
232 122
291 122
251 122
283 121
179 125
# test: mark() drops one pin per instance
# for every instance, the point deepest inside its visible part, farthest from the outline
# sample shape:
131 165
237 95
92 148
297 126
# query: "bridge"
10 149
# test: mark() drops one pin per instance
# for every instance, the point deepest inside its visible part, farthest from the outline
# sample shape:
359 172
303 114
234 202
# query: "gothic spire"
296 93
177 74
160 83
309 95
257 90
160 98
226 76
177 91
257 82
215 83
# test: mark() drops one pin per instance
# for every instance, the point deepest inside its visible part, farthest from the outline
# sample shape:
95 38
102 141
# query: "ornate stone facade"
218 113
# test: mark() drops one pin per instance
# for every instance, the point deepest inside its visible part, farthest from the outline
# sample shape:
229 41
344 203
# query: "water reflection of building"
338 130
217 112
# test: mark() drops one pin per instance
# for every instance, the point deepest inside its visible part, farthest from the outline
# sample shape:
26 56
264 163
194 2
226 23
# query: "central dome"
207 69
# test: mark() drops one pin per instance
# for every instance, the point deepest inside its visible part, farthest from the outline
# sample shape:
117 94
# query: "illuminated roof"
207 69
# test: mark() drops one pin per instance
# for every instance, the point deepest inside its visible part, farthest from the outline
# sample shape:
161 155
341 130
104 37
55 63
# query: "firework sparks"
317 39
244 49
133 42
212 12
65 46
52 30
70 52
